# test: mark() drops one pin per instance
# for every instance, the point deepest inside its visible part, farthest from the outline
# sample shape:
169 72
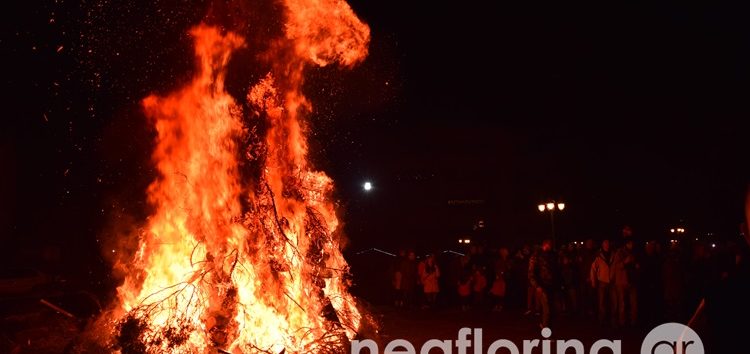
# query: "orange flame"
245 264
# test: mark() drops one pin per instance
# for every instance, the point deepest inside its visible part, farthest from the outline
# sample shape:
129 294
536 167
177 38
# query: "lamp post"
551 207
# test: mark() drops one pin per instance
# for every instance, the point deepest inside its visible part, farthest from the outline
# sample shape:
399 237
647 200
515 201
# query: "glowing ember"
241 252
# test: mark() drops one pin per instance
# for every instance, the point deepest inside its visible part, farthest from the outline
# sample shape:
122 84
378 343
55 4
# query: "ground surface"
418 326
28 327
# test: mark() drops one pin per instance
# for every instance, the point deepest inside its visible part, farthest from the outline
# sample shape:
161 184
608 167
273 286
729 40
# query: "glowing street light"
551 206
367 186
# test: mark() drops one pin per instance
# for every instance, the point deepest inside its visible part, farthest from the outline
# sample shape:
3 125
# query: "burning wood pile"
242 251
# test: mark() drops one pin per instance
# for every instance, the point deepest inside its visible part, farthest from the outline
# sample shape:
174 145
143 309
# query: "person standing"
479 286
673 282
650 286
526 294
587 295
543 278
429 275
601 277
625 276
464 290
408 275
396 279
499 285
569 277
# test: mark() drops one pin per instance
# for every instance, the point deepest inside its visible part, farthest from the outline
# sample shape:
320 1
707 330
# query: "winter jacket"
601 268
543 270
429 275
624 268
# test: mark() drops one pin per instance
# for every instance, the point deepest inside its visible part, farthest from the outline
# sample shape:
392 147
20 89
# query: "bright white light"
671 230
467 241
560 206
541 207
713 245
550 206
460 241
367 186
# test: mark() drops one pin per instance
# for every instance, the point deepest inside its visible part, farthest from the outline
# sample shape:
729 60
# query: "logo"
468 338
669 338
672 338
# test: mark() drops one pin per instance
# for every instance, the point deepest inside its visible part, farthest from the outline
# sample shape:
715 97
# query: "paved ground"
37 329
418 326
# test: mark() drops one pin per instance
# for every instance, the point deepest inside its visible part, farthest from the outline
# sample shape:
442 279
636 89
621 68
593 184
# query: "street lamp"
550 207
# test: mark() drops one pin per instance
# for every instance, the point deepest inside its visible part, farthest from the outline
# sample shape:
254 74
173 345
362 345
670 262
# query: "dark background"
464 111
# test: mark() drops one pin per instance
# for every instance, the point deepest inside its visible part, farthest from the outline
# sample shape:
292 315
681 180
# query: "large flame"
241 252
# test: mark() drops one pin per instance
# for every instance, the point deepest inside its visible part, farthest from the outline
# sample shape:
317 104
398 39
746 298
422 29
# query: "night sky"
464 111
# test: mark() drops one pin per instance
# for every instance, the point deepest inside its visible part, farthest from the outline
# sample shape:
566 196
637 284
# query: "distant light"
671 230
713 245
367 186
560 206
550 206
541 207
460 241
467 241
696 239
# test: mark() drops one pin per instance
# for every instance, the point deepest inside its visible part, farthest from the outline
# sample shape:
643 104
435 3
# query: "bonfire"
242 252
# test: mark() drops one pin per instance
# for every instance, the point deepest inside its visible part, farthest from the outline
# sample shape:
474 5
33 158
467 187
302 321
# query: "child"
479 282
498 292
464 291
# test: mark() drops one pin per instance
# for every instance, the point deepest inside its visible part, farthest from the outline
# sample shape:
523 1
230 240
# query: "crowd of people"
620 282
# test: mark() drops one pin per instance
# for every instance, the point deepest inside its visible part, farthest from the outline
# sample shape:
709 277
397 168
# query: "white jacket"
601 269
